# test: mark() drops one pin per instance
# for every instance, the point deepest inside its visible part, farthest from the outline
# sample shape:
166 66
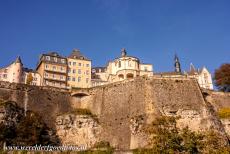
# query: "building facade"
31 77
124 67
99 76
12 73
53 70
203 76
79 70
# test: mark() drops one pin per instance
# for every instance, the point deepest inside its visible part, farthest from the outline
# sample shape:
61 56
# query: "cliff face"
123 109
79 130
220 101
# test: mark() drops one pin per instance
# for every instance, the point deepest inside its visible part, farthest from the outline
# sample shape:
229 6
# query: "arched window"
121 76
119 64
129 76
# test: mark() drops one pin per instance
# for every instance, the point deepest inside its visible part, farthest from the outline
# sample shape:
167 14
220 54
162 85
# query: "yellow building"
79 70
122 68
53 70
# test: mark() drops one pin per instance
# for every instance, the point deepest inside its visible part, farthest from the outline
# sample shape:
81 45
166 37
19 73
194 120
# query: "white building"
12 72
203 76
124 67
15 73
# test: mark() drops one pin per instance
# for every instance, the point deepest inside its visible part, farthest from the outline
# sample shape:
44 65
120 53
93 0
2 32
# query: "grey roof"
76 54
53 53
18 60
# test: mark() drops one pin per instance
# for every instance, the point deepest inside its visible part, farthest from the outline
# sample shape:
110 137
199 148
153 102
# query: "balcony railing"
55 70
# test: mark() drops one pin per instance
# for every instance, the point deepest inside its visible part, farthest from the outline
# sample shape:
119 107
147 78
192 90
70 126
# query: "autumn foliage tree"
222 77
29 78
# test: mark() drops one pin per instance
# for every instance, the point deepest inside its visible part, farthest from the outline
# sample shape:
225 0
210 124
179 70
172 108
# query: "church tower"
123 52
177 64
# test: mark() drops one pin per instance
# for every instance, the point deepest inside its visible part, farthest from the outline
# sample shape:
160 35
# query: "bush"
224 113
167 138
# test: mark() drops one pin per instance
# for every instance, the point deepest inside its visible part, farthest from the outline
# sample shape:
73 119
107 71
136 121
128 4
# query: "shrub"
167 138
224 113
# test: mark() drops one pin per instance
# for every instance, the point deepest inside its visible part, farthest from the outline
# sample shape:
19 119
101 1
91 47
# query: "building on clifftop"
121 68
13 72
53 70
203 76
79 70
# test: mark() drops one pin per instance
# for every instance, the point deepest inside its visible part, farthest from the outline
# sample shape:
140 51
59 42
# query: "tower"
123 52
177 64
16 70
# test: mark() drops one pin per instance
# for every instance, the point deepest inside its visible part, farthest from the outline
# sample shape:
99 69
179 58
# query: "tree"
222 77
29 78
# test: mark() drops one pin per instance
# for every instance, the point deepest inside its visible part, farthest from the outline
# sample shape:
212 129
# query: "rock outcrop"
79 130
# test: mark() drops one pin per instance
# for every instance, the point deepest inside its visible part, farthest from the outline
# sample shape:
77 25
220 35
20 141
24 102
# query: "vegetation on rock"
24 130
29 78
167 138
224 113
80 111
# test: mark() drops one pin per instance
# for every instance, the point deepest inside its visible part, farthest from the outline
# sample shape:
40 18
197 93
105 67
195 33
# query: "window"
53 76
87 65
79 64
54 67
61 77
79 71
63 61
79 79
73 79
146 69
47 57
70 63
74 63
46 66
55 59
5 76
87 80
129 63
74 71
119 64
87 72
68 78
69 71
93 71
62 69
46 75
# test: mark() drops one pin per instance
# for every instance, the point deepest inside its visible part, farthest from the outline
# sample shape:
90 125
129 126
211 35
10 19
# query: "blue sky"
153 30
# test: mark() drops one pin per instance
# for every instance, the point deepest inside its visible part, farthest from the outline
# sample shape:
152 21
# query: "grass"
224 113
82 112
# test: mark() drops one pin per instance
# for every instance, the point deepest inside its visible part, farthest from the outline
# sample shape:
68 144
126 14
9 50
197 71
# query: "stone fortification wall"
123 109
48 102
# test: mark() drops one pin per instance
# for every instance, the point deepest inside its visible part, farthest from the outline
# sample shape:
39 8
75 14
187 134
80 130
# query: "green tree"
222 77
166 138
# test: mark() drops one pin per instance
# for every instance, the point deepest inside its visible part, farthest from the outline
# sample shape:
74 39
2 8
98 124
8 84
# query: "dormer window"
55 59
63 61
47 57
